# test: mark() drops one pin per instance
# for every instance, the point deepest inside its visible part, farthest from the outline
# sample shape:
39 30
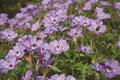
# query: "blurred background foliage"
11 7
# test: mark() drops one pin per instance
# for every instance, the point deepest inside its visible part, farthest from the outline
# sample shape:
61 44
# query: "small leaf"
55 68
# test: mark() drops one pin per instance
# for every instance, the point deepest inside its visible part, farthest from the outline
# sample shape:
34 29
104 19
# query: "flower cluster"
8 34
109 68
101 14
29 73
52 38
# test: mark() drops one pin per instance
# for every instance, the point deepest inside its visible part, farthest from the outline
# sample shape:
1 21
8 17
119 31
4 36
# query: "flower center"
109 69
10 66
33 46
17 53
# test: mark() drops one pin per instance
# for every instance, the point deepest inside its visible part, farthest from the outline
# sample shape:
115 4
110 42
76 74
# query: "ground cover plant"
61 40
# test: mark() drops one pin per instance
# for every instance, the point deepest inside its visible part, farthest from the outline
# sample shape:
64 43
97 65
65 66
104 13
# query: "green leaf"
55 68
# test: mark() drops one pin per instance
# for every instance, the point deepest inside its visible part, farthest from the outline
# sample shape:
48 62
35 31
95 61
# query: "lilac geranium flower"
75 32
20 15
42 35
31 6
58 46
109 68
41 78
93 1
45 63
53 18
80 21
45 2
27 76
84 21
61 77
99 9
36 26
44 48
3 18
8 64
75 21
101 14
17 51
105 3
44 55
12 21
58 77
30 42
69 77
60 28
23 10
50 30
8 34
97 27
117 5
118 44
87 6
85 49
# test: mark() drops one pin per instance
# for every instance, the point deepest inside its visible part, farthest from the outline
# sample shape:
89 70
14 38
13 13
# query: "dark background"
11 7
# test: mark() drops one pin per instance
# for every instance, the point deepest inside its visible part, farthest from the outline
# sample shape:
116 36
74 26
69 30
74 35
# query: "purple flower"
75 21
8 64
97 27
58 77
45 2
8 34
3 18
17 51
75 0
60 28
54 17
23 10
27 75
85 49
35 26
50 30
20 15
109 68
99 9
69 77
44 55
117 5
58 46
42 35
62 77
87 6
31 6
80 21
118 44
75 32
41 78
101 14
43 48
12 22
30 42
45 63
93 1
84 21
105 3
